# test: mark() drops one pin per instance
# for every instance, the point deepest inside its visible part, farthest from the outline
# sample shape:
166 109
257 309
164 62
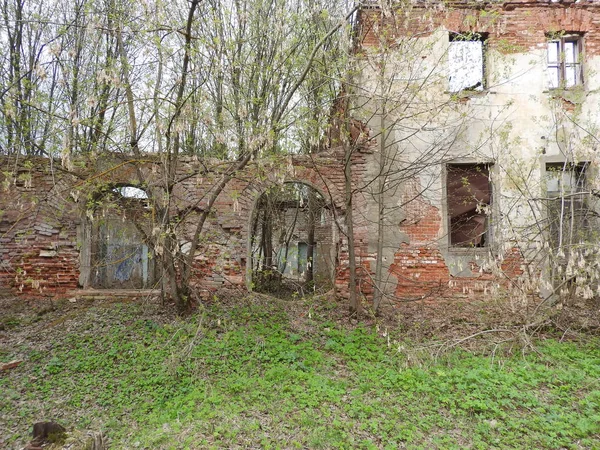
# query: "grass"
266 375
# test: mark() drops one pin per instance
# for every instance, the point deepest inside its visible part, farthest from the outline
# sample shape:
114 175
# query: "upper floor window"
466 62
564 61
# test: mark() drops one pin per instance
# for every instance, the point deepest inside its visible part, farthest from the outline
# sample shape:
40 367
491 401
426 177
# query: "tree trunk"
310 253
354 304
379 285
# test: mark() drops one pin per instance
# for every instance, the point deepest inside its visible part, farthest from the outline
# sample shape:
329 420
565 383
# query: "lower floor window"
567 209
469 198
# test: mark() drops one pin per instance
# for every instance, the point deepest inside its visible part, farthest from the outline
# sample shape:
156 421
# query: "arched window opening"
120 257
131 192
292 242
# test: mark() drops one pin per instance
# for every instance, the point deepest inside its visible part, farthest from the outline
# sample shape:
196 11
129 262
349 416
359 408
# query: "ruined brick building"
476 162
486 117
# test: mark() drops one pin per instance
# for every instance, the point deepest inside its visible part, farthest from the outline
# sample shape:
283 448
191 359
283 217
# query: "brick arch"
112 171
257 191
326 187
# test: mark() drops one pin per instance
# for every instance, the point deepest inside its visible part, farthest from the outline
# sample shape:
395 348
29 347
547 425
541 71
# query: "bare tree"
406 106
236 90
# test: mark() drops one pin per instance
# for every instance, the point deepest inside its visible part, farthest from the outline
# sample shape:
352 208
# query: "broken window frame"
567 201
577 172
482 209
568 49
454 38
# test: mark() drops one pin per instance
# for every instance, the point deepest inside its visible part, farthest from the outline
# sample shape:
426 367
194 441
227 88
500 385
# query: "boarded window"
469 194
120 258
564 62
465 62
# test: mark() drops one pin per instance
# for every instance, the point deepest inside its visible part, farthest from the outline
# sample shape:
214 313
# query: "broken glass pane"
564 179
553 50
570 76
570 53
553 77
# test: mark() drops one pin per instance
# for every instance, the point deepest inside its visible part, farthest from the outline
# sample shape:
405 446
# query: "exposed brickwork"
515 26
38 243
420 266
43 210
422 273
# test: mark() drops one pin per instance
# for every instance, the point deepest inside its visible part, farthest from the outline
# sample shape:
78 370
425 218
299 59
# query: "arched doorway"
119 255
293 241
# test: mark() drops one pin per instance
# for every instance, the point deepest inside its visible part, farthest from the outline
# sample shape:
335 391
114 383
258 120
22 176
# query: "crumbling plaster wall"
516 123
45 216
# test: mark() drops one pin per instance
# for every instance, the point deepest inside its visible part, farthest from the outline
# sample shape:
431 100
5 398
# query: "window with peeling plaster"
567 210
565 54
466 58
469 201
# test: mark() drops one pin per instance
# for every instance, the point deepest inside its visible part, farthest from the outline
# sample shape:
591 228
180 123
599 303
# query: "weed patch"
255 378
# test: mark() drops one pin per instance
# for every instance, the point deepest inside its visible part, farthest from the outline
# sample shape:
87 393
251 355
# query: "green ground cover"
266 375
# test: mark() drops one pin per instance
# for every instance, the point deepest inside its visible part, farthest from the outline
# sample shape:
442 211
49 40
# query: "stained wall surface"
516 122
50 217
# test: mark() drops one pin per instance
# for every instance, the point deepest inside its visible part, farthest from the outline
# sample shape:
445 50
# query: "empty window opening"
292 241
469 200
564 61
466 60
304 261
567 206
565 179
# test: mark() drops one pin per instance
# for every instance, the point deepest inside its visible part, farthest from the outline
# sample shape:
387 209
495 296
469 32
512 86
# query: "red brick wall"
422 272
420 266
513 26
38 244
39 252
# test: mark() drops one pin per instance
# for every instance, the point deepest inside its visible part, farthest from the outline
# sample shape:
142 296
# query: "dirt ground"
31 321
